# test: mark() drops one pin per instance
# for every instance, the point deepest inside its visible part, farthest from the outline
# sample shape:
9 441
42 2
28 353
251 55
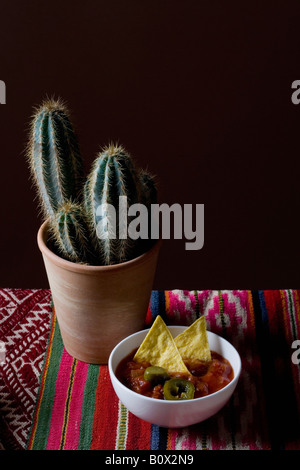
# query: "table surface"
48 400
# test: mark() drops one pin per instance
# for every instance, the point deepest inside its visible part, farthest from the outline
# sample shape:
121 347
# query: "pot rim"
42 237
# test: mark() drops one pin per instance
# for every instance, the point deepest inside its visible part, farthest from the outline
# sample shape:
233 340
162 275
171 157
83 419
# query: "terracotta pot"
98 306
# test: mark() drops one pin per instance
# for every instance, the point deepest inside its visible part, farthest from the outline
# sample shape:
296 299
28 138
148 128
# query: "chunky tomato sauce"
208 377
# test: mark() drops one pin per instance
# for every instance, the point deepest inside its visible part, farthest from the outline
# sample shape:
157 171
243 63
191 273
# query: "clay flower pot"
98 306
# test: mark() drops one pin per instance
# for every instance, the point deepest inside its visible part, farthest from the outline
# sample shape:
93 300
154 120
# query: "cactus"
149 196
54 157
78 231
113 175
71 234
149 189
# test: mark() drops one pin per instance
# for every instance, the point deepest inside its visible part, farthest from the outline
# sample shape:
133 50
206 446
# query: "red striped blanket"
76 406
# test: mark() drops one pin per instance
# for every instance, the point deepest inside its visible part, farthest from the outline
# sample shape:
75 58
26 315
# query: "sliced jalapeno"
155 374
178 389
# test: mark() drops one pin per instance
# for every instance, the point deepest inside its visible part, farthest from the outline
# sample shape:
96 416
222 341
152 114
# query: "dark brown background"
198 92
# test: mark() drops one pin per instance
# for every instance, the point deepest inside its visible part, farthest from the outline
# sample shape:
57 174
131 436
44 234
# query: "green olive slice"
155 374
178 389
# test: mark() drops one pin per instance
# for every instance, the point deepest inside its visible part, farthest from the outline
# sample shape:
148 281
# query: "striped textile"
78 409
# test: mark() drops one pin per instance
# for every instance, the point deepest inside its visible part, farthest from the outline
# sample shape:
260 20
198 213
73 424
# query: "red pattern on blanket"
24 324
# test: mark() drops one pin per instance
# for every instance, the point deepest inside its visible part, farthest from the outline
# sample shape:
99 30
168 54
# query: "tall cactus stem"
54 156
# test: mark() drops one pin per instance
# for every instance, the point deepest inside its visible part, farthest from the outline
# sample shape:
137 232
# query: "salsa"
205 378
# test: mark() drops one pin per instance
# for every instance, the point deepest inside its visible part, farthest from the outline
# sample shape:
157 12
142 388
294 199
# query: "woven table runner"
25 316
77 408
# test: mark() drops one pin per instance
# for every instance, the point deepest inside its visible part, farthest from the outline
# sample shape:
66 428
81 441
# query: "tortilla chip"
193 342
159 349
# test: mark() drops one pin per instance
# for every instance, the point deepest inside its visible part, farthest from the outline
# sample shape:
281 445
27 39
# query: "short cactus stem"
71 234
149 189
149 197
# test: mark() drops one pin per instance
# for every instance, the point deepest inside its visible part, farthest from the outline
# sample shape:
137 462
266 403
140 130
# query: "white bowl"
173 414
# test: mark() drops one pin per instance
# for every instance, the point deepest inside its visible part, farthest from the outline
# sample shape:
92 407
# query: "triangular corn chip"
193 342
159 349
